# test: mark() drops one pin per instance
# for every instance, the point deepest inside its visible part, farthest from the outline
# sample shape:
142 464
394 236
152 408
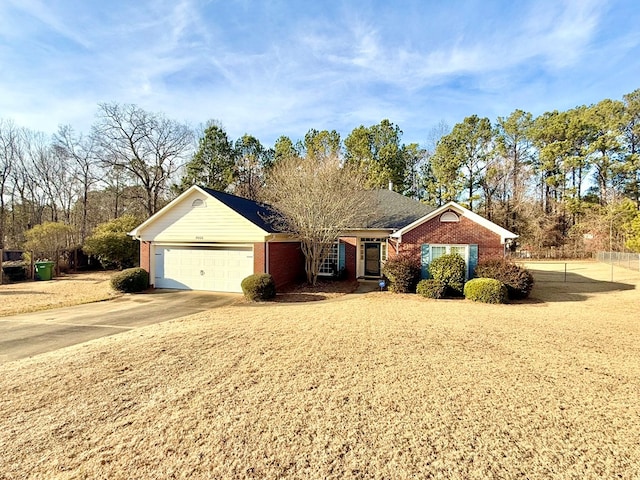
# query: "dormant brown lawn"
363 386
64 291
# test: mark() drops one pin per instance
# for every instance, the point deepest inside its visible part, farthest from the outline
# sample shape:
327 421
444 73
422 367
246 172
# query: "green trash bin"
44 270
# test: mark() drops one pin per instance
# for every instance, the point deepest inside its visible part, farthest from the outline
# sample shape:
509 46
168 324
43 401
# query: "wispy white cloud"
276 68
46 15
559 35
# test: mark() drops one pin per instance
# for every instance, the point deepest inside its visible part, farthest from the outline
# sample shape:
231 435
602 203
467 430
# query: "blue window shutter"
473 261
425 260
341 256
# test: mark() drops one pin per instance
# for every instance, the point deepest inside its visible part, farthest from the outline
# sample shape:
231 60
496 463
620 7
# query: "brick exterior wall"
145 255
286 262
145 258
462 233
350 251
259 263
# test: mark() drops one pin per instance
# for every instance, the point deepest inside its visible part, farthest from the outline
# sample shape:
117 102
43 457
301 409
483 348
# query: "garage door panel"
215 269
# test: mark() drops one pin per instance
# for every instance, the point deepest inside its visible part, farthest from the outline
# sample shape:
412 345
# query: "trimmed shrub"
518 280
403 273
130 280
431 288
486 290
259 286
450 270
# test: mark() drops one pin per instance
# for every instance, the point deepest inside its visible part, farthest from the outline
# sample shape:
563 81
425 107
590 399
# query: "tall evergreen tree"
213 164
322 144
284 149
513 142
461 157
605 147
378 153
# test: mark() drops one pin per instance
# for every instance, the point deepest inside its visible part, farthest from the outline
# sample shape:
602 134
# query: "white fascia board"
474 217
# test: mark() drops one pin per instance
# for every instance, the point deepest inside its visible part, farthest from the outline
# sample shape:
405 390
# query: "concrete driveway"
30 334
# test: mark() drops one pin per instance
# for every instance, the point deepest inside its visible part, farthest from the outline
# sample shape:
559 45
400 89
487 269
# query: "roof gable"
231 212
504 233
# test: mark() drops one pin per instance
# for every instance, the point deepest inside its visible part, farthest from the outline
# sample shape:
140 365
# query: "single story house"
211 240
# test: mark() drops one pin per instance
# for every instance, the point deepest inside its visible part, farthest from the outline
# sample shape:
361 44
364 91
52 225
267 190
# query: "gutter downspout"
266 255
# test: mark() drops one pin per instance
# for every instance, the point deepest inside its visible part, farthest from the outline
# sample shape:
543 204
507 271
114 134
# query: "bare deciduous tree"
9 144
28 200
314 200
252 161
148 146
80 153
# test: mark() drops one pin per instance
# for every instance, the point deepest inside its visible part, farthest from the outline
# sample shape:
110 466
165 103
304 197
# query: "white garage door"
218 269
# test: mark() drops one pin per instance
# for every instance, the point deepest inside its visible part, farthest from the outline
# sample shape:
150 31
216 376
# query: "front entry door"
371 259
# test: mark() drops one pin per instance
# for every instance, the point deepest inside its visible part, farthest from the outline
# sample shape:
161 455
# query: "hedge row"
494 278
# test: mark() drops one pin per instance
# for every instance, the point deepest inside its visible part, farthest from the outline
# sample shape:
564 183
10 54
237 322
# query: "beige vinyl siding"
211 222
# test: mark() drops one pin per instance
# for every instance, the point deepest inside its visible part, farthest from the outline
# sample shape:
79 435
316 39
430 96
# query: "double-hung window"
428 253
329 265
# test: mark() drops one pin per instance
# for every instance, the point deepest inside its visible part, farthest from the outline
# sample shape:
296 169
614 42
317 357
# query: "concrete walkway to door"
30 334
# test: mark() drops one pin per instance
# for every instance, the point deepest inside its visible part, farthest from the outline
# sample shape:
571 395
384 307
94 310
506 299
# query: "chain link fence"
584 271
626 260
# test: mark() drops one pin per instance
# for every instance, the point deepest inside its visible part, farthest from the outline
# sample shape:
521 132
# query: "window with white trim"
330 264
439 250
448 217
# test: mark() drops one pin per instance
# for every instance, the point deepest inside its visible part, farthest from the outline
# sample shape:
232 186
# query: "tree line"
558 180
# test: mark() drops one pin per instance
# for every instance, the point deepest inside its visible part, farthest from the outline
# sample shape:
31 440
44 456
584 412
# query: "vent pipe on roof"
390 185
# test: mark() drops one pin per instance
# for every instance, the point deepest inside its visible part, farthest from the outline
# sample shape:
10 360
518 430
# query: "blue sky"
282 67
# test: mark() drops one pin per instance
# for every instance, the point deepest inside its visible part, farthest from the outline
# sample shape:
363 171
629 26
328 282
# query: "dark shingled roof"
382 209
257 213
391 210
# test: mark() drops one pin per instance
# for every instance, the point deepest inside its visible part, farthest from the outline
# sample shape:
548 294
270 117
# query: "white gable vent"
449 217
198 203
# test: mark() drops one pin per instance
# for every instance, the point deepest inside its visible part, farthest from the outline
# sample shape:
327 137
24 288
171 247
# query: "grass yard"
63 291
362 386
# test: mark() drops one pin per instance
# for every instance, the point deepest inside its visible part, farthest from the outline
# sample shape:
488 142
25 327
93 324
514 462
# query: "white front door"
217 269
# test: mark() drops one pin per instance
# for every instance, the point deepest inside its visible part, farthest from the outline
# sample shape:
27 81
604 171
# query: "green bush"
130 280
450 270
112 245
48 238
431 288
259 286
486 290
403 273
518 280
